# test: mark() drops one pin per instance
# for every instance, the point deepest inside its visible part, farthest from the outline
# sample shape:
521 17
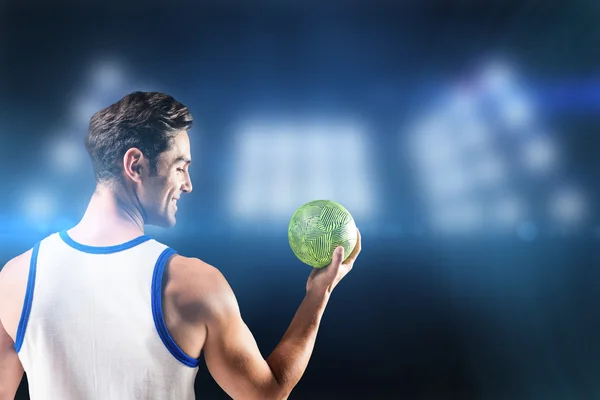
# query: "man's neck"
108 220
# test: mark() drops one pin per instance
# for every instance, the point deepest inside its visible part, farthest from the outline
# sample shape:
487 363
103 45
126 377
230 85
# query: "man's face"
161 191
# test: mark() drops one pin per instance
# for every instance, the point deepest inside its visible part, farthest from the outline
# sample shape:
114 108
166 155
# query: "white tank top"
92 325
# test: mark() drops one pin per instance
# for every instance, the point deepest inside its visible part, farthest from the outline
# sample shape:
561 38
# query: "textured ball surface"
317 228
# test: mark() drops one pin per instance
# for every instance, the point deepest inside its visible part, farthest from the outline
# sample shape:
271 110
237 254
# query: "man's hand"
324 280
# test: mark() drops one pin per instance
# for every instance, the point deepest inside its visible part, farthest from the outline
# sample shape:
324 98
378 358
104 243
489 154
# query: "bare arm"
11 370
231 352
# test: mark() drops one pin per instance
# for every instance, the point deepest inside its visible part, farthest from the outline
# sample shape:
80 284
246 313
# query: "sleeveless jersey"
92 325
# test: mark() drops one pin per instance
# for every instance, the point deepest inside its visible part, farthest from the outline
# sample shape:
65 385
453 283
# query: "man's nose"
187 185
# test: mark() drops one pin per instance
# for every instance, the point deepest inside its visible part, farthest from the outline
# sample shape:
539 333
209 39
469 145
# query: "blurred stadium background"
462 136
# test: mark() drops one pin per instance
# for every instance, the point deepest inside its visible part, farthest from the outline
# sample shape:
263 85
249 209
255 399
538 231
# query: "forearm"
290 358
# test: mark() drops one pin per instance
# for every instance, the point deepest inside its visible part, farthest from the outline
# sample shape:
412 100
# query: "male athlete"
101 311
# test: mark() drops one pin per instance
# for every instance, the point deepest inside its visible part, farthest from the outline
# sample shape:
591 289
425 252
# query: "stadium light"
39 205
539 154
107 76
280 165
568 206
67 154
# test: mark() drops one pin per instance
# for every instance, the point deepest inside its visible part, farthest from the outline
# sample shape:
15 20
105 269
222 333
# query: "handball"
317 228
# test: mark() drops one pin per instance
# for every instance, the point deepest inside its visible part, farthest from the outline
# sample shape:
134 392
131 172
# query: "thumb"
338 255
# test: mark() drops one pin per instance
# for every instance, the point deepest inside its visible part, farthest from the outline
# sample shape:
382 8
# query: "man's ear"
134 163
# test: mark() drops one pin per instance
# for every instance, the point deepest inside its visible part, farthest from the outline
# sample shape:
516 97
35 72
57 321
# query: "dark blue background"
421 316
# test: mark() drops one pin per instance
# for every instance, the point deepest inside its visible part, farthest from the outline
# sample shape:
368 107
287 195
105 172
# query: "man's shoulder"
193 270
196 284
16 268
13 283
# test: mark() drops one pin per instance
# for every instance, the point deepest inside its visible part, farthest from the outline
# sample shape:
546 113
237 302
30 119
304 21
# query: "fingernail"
340 250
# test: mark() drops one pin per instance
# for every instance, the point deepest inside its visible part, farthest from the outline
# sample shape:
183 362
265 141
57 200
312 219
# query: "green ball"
317 228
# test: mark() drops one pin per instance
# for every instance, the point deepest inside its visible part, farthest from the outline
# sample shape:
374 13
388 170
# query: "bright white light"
539 154
497 78
247 198
438 156
283 148
39 205
251 152
462 104
107 76
432 145
516 111
317 173
474 135
67 154
84 109
280 165
431 128
436 152
568 206
447 184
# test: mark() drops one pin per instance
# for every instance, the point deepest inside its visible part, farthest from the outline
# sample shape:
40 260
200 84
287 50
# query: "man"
104 312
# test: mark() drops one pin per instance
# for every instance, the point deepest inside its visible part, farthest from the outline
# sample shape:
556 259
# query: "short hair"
148 121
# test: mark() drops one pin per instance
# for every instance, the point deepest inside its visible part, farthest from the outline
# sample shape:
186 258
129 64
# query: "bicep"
232 354
11 370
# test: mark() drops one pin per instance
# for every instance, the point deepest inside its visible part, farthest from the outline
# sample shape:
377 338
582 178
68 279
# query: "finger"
356 250
338 256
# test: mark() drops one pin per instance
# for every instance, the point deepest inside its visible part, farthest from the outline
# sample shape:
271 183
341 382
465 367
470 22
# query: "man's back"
92 324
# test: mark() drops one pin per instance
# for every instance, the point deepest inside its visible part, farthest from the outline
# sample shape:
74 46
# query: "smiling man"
102 311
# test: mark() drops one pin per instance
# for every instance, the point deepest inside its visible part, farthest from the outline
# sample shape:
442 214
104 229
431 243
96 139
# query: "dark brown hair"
147 121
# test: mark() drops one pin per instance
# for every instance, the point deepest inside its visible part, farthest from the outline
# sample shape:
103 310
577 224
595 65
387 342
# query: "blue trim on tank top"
102 249
22 327
157 311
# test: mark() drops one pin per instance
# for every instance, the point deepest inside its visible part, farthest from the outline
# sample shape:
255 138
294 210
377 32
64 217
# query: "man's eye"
180 169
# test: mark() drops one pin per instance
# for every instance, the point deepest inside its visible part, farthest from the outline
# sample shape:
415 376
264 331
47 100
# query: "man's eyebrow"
182 158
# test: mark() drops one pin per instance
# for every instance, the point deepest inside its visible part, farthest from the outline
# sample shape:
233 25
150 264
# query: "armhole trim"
157 311
28 298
